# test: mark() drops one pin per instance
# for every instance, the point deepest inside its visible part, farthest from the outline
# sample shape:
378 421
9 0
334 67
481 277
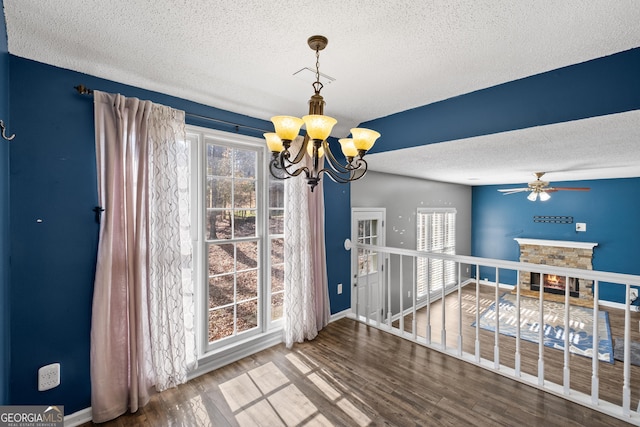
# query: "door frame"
358 214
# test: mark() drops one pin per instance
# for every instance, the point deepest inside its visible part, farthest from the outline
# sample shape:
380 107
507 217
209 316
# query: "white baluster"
496 345
517 355
567 310
595 380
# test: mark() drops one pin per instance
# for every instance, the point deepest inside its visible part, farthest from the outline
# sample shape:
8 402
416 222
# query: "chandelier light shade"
363 139
273 142
287 162
348 149
287 127
319 127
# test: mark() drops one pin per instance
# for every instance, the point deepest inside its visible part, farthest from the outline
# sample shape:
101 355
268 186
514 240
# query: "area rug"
634 351
580 325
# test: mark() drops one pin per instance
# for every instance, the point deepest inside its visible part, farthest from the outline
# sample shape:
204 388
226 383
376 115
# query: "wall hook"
8 138
98 211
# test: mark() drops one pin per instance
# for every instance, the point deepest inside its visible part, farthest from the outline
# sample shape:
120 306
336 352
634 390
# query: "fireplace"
555 284
556 253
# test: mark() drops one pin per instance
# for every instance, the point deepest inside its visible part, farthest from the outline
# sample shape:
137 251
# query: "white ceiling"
595 148
386 57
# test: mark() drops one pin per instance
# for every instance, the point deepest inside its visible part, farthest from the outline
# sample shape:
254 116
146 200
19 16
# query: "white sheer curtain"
142 318
306 300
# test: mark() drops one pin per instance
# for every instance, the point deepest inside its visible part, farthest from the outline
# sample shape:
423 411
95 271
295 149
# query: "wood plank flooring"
611 375
356 375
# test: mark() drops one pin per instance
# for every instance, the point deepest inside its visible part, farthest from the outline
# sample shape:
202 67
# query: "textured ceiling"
385 56
595 148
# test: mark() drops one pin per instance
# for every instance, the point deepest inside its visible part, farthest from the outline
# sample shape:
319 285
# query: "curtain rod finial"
83 90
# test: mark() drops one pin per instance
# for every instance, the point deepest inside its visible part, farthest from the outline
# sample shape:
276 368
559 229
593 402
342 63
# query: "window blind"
436 232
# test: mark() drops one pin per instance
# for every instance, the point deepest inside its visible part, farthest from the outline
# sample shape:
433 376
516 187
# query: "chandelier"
286 162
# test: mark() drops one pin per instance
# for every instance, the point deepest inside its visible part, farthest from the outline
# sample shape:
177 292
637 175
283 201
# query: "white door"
367 266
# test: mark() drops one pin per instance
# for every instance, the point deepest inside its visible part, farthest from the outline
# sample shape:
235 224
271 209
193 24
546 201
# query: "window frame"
421 289
197 137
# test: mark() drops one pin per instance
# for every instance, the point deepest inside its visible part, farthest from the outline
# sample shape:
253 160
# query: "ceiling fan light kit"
540 189
314 144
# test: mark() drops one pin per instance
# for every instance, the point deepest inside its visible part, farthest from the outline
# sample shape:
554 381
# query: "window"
436 233
367 235
276 240
240 242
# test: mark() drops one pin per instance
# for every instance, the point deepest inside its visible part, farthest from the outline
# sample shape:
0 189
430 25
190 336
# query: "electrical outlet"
339 288
49 377
581 226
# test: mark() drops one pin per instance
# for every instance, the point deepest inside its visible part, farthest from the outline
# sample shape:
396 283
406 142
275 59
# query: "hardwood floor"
611 375
356 375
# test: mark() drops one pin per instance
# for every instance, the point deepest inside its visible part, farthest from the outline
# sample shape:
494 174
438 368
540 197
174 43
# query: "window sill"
216 359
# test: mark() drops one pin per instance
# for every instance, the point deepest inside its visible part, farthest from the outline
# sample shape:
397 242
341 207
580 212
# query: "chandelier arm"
359 162
285 168
341 178
354 173
299 171
332 161
300 154
276 170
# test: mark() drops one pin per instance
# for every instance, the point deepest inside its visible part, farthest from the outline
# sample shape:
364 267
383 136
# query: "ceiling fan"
540 188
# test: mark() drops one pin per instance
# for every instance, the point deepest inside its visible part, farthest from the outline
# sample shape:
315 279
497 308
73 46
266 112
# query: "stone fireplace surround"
558 253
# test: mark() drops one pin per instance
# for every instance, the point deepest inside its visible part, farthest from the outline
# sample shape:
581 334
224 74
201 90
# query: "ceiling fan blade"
572 188
513 190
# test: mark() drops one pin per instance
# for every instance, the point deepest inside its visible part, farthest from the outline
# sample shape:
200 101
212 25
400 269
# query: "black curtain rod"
83 90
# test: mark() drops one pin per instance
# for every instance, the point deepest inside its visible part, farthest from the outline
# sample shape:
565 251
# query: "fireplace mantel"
556 243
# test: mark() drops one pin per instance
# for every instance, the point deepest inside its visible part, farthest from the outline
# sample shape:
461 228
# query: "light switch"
581 226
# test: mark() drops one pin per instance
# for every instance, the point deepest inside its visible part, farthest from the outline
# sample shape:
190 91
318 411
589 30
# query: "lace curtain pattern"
306 301
142 318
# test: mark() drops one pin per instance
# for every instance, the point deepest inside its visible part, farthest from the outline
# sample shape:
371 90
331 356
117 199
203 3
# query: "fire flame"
552 279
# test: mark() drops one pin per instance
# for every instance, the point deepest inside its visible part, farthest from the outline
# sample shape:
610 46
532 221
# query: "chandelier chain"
317 65
317 86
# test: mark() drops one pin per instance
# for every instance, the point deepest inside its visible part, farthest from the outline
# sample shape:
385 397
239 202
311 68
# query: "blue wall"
4 217
609 210
337 229
601 86
53 178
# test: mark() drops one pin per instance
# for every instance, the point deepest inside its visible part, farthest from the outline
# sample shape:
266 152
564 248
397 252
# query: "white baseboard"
617 305
493 284
339 315
78 418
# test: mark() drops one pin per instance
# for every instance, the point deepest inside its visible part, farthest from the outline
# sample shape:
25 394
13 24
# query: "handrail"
379 311
510 265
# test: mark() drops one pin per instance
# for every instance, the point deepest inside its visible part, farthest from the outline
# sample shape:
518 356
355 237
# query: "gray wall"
402 196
